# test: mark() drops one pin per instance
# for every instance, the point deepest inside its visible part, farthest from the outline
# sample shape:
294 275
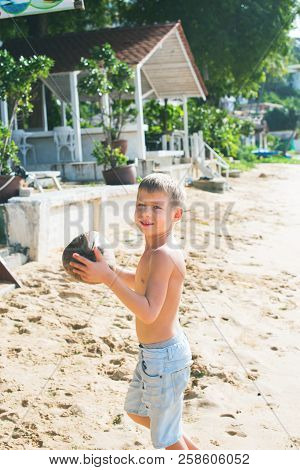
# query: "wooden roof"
133 45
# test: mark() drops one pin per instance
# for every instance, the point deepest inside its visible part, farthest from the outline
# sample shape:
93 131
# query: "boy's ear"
178 214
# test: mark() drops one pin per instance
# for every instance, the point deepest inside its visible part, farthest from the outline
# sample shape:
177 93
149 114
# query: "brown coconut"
84 245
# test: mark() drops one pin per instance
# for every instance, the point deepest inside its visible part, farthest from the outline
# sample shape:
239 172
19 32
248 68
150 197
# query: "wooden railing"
204 157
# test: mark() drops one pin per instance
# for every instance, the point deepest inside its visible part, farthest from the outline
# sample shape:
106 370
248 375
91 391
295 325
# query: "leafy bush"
8 151
161 119
245 153
108 156
273 141
220 130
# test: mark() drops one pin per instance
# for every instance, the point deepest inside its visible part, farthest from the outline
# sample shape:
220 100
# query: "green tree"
16 80
97 14
107 75
235 42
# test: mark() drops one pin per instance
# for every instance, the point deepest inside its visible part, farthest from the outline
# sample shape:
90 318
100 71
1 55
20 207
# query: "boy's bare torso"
167 323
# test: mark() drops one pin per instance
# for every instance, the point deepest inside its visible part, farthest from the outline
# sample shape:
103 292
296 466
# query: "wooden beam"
158 46
171 65
76 115
6 275
44 107
150 82
105 106
4 113
148 93
186 129
140 116
63 113
190 65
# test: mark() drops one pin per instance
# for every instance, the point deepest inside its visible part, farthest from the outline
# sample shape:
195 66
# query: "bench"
36 175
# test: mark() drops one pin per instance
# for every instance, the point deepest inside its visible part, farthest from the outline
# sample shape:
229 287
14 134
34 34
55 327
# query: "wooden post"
186 129
105 106
76 115
201 145
164 142
4 113
44 108
63 113
140 116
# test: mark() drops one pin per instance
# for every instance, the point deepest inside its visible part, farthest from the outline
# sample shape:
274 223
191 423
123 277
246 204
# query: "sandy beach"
68 350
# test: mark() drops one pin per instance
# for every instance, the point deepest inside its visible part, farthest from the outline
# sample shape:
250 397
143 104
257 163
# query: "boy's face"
154 214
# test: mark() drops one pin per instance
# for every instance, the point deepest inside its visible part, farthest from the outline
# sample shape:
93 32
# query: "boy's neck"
158 240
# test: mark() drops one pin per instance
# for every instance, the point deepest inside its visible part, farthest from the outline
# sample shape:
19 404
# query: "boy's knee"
133 416
139 419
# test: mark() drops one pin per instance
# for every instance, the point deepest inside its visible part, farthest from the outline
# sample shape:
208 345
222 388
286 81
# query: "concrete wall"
51 220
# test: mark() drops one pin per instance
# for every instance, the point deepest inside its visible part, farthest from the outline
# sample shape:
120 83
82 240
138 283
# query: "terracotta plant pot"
122 144
12 189
120 175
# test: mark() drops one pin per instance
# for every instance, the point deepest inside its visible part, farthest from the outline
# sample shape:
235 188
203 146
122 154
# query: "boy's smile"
154 214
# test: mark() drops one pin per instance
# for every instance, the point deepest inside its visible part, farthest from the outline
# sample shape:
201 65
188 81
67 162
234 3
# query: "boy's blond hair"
163 182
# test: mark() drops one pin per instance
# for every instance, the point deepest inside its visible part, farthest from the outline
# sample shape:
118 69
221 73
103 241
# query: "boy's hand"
93 272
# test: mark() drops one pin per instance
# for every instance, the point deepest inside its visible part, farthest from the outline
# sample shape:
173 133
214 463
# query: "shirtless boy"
155 395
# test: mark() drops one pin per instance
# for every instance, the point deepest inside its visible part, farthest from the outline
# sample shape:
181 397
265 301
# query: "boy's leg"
145 421
181 444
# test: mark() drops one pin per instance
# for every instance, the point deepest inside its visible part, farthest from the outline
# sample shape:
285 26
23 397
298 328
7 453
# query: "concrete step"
11 259
15 260
6 288
13 256
213 185
4 251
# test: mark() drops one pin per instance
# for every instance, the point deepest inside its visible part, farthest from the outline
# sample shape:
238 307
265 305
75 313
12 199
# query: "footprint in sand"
233 432
117 362
215 443
111 344
17 305
34 319
120 325
118 374
207 404
77 326
9 416
70 295
22 330
190 394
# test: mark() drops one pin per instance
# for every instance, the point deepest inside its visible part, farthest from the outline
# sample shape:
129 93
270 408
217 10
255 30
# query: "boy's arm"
127 276
148 306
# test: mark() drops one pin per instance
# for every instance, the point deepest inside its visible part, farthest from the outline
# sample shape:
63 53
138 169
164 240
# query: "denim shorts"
156 390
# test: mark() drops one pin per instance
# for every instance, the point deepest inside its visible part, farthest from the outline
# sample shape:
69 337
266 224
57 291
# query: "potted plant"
16 80
109 79
116 170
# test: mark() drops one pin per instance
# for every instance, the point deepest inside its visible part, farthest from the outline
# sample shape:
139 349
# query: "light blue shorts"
156 390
